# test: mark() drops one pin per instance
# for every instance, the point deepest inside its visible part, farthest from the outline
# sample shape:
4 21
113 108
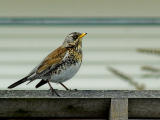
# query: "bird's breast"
75 54
65 71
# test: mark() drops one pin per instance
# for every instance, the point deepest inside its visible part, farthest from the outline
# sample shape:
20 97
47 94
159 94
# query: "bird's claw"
75 90
72 90
53 91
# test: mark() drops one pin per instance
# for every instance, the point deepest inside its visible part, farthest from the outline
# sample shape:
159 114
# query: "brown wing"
53 58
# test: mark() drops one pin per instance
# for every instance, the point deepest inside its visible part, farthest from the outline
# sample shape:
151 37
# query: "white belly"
65 74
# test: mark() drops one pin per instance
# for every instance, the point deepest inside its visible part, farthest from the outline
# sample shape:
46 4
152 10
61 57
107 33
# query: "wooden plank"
132 94
52 118
144 108
144 119
81 94
80 104
54 107
119 109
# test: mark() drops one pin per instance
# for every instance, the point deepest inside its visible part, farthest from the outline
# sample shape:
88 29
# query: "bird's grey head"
73 39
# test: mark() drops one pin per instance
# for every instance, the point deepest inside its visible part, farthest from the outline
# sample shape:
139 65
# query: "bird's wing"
53 58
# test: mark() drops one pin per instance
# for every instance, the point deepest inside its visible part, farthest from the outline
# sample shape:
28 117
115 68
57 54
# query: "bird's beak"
82 35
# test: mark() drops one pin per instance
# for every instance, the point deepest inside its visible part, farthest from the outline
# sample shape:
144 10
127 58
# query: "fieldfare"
60 65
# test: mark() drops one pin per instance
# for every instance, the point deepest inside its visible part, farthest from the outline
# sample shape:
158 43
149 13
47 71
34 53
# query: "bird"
59 66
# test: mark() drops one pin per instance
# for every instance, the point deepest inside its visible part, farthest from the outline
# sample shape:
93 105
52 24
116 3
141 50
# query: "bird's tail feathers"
42 82
18 82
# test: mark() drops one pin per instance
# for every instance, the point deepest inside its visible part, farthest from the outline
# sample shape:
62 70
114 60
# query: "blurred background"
121 50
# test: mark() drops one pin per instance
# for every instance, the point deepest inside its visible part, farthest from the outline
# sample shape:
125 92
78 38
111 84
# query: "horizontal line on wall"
47 49
84 76
106 63
78 21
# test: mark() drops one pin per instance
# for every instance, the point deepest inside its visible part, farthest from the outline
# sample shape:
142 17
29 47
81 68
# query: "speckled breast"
65 72
66 69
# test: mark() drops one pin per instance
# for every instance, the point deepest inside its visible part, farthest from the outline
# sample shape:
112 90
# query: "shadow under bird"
60 65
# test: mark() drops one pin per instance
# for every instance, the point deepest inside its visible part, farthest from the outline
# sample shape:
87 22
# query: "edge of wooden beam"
80 94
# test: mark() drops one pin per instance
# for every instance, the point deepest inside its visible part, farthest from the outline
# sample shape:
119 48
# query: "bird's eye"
75 37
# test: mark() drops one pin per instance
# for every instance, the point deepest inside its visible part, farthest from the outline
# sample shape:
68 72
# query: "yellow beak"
82 35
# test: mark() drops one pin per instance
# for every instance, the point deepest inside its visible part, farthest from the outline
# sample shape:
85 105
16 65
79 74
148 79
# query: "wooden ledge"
112 104
80 94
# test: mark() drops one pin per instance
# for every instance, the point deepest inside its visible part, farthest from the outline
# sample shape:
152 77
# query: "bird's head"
73 39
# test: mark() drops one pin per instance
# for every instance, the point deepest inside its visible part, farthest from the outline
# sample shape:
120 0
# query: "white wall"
23 47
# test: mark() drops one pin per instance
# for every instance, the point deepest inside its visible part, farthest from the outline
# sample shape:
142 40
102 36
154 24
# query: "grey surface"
119 109
57 108
144 108
80 104
80 94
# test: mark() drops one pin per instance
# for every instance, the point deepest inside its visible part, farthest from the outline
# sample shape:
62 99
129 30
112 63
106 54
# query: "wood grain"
80 104
144 108
53 107
119 109
81 94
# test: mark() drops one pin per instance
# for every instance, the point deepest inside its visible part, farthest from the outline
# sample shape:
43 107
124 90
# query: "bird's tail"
42 82
18 82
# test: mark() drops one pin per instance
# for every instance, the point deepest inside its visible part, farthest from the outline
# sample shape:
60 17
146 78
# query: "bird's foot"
72 90
53 91
75 90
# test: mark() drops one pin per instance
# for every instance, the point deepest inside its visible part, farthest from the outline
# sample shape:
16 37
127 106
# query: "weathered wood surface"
79 104
80 94
119 109
58 108
144 108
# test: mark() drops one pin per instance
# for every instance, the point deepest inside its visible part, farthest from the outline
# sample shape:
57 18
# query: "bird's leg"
53 90
64 86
